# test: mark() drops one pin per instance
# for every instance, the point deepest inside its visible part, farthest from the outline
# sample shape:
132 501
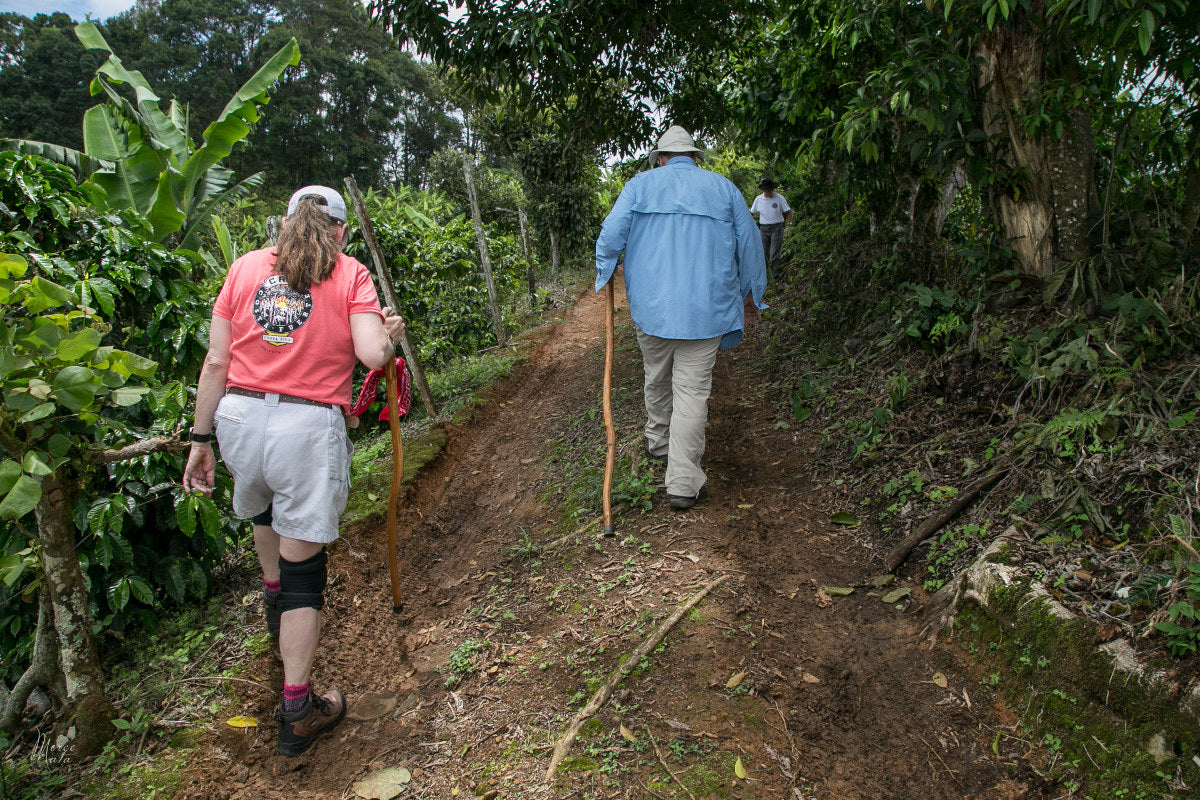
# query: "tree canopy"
44 74
355 105
602 66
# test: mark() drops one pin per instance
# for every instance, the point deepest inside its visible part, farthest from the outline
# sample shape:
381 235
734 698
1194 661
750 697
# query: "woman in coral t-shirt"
286 329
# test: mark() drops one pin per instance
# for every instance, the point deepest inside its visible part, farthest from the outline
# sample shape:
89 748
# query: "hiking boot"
274 610
299 729
682 502
660 459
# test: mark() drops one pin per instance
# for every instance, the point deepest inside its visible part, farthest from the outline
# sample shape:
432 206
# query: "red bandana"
370 388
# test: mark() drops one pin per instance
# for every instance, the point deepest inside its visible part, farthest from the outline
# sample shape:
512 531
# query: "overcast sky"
77 9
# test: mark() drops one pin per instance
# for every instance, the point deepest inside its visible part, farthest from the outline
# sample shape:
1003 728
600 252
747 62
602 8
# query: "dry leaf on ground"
383 784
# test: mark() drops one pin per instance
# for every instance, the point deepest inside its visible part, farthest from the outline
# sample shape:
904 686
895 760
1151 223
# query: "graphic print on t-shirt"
280 310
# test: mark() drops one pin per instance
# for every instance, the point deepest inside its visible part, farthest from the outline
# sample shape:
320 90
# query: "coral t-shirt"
290 342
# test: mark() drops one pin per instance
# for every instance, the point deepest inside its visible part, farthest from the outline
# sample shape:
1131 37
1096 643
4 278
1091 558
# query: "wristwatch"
202 438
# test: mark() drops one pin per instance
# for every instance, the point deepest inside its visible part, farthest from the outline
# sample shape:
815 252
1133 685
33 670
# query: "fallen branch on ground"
938 521
604 692
577 532
663 761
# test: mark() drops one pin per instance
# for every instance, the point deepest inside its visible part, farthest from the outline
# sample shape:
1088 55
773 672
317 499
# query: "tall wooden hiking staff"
391 380
609 431
389 377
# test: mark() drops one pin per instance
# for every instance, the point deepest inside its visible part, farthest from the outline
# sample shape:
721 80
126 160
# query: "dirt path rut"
502 638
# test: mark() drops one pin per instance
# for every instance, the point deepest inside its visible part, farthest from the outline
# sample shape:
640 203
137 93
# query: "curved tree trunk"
88 703
1043 207
43 667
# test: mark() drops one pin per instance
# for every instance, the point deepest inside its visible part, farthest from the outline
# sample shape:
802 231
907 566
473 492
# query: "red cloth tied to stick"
370 388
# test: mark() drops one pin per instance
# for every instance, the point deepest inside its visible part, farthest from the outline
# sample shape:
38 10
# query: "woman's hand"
394 325
200 470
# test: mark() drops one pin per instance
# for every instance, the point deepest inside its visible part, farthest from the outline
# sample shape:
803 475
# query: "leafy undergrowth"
1090 419
172 680
1093 425
166 684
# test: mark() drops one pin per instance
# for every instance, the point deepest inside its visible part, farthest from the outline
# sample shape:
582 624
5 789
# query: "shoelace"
323 705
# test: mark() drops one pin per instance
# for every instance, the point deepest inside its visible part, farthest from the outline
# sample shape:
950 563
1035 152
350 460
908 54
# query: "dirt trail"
837 699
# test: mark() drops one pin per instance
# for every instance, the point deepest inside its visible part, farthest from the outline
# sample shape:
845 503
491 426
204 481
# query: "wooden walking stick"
389 376
391 380
609 431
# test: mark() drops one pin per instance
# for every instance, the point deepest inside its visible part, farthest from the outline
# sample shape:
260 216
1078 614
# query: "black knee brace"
302 583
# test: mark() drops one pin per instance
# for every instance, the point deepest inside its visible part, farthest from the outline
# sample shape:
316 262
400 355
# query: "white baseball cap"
335 206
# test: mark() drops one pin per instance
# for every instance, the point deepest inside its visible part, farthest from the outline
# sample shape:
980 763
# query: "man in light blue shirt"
695 277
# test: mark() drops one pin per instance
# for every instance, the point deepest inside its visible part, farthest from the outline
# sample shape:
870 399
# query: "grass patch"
455 384
371 471
456 391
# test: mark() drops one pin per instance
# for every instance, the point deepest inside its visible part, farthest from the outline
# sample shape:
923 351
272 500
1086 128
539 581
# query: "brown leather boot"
299 729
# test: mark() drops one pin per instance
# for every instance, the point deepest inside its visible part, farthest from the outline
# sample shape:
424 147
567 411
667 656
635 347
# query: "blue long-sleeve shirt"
692 253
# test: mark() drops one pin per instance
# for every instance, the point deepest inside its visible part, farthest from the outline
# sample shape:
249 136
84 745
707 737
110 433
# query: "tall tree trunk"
87 700
523 219
1043 207
555 253
953 184
485 260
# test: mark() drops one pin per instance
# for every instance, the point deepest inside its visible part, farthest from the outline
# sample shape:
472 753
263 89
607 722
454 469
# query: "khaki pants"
678 383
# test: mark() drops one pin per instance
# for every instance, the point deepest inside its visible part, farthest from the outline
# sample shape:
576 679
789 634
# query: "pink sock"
294 697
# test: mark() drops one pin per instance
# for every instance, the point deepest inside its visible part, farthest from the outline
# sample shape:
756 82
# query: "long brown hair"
308 245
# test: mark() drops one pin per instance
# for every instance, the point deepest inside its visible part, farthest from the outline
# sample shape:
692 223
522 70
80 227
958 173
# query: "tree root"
943 605
604 692
935 523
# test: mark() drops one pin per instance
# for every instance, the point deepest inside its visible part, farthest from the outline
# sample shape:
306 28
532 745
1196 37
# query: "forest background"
998 204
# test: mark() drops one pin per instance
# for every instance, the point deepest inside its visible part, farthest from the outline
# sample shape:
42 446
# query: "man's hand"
751 312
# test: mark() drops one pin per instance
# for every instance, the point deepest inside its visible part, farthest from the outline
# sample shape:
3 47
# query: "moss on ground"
162 777
1096 726
712 776
373 473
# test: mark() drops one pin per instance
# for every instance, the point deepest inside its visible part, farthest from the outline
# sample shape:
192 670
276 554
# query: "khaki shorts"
294 458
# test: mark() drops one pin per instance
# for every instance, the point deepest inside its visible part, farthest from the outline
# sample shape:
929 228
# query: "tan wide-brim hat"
675 141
